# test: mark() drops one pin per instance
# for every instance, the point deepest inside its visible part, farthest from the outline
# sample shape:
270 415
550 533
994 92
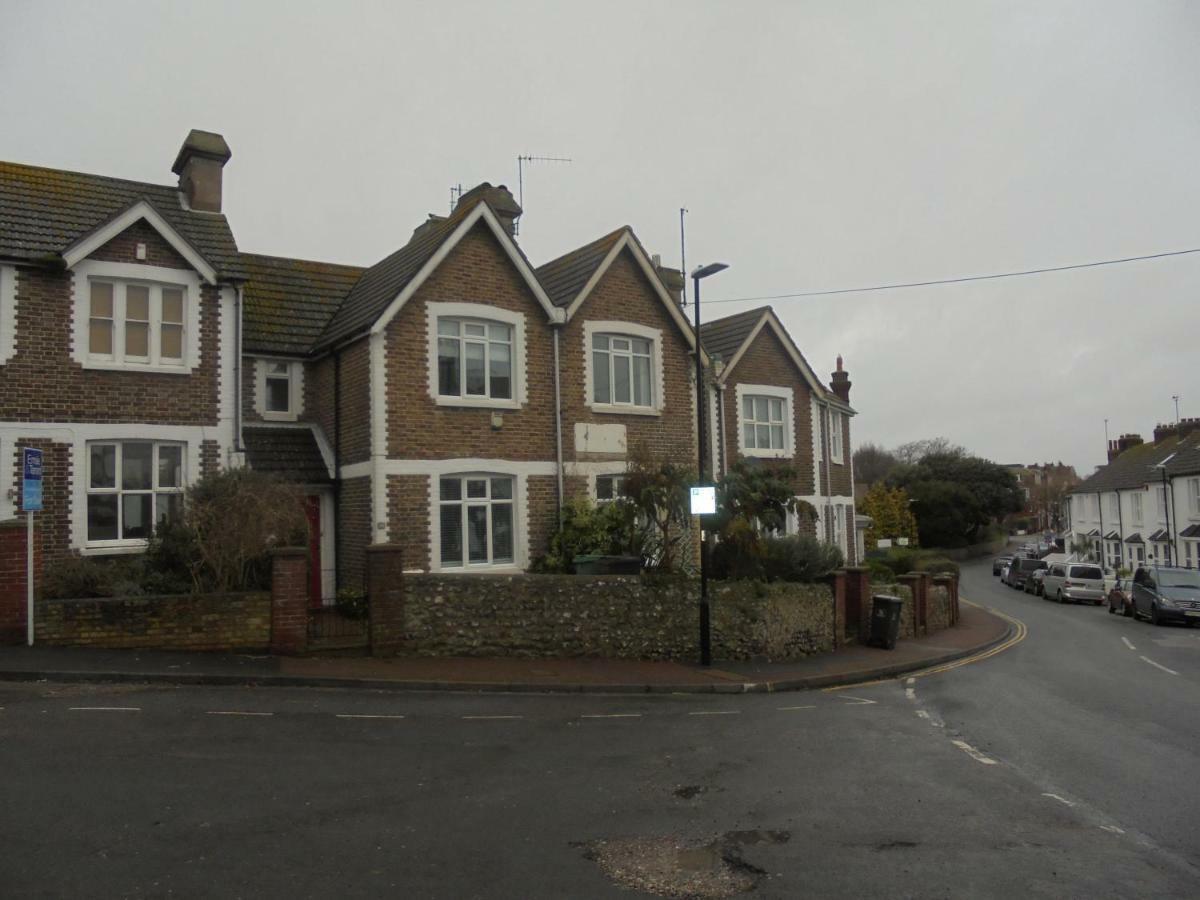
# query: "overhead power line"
912 284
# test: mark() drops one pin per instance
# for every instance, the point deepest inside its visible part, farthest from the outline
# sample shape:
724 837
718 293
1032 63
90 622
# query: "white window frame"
119 543
1136 508
618 487
773 392
482 313
1114 506
295 377
624 330
819 436
836 454
463 502
156 278
8 313
1194 496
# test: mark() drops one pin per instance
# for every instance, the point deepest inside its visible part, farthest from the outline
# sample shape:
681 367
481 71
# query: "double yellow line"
1015 638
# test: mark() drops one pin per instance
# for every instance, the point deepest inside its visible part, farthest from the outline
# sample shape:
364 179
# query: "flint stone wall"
623 617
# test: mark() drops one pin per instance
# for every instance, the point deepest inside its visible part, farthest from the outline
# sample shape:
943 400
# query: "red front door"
312 509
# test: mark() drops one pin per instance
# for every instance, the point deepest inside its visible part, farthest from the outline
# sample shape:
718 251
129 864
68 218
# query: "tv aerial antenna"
456 192
522 161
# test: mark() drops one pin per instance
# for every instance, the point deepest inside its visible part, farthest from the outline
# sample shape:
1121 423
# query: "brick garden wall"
610 616
202 622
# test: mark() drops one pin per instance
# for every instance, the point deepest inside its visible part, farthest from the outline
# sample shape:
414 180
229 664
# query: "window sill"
610 409
138 367
116 548
280 417
767 454
481 570
476 403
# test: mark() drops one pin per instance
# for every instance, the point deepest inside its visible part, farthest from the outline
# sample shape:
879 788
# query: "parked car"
1167 594
1033 584
1074 583
999 563
1019 570
1119 599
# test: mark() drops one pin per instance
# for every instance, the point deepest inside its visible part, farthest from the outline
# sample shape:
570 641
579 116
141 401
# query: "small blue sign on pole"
31 483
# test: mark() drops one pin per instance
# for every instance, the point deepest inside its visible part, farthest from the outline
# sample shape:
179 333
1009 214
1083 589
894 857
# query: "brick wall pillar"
918 583
950 583
13 600
289 600
837 583
385 592
858 601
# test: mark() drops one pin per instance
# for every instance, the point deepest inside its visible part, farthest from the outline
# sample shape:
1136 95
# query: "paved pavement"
976 631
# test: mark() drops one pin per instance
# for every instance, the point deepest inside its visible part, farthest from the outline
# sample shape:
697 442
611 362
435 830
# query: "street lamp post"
705 613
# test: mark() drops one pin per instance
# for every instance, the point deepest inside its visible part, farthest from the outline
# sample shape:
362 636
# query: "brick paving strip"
978 630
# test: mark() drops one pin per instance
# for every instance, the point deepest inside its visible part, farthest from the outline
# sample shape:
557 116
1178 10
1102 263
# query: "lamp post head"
704 271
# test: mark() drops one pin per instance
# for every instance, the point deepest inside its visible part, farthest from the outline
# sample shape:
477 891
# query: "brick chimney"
672 279
1187 426
1162 432
1123 443
198 165
503 204
840 384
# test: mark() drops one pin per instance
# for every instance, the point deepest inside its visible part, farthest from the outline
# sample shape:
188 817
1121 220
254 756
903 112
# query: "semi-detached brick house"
768 406
448 398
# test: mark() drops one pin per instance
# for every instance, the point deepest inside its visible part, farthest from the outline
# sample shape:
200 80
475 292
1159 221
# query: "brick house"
767 405
448 398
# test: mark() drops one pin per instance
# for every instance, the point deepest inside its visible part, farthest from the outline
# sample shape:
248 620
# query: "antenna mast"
522 160
456 193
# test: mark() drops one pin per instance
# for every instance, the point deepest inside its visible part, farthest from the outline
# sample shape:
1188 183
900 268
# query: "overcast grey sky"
816 145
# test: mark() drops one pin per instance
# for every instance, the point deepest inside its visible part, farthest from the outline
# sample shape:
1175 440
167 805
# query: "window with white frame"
820 429
610 488
1114 510
477 521
1135 503
1193 488
132 486
835 436
280 389
136 322
1191 549
764 421
1161 492
474 359
622 370
8 312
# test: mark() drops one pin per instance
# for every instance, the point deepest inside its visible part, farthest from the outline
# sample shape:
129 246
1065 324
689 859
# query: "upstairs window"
278 387
762 423
621 370
132 486
1194 496
475 359
1136 504
476 513
136 322
835 436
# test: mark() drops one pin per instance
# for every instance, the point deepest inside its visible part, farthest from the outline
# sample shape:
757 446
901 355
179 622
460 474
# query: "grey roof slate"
289 302
1135 538
1160 535
290 452
1191 531
1134 468
726 336
44 211
563 278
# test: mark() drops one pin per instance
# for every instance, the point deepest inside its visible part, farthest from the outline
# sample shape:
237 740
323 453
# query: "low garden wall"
907 615
940 611
623 617
182 622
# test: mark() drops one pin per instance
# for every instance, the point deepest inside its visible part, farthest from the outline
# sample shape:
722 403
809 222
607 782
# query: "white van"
1075 583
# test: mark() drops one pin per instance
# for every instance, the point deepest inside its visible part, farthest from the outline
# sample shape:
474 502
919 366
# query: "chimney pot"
198 165
840 383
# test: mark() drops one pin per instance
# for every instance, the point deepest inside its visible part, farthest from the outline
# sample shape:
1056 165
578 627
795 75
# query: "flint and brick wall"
201 622
610 616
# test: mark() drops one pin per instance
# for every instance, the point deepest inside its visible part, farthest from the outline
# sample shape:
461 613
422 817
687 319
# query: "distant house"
1144 505
449 398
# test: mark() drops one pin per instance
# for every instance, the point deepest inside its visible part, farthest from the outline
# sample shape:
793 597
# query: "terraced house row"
448 398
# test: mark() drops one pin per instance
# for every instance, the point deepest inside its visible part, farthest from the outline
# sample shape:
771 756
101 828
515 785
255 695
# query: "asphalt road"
1057 768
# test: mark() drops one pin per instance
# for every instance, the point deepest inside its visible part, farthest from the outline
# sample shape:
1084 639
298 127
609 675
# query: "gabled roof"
1160 535
733 335
43 212
288 302
564 278
290 452
1134 538
571 277
1135 468
385 286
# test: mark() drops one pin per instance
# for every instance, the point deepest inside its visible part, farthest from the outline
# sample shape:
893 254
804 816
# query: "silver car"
1074 583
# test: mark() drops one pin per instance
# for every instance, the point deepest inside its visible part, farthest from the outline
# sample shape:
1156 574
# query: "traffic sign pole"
31 502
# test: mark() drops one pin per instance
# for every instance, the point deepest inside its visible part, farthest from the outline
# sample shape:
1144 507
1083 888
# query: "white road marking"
493 717
910 693
1113 828
716 712
787 708
973 753
364 716
1058 798
1127 644
612 716
106 709
911 681
924 714
858 701
236 712
1157 666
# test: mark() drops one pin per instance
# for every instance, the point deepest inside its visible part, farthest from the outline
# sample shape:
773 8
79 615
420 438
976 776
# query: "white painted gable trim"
93 241
481 211
626 241
768 318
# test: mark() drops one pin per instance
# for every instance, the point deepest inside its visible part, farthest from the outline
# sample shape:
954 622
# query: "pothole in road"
677 867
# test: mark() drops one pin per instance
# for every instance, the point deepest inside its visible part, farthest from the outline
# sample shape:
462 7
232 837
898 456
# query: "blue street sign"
31 483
